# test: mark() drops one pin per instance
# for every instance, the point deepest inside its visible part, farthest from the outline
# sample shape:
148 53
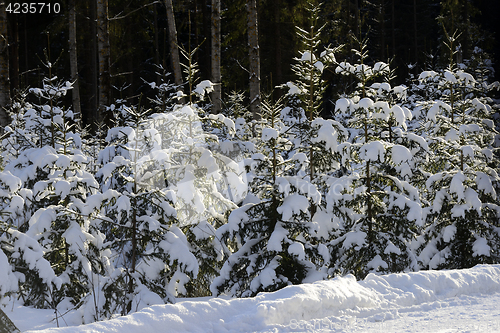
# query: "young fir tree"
205 171
311 135
380 211
55 185
10 204
164 91
162 179
462 181
201 172
274 235
138 220
270 235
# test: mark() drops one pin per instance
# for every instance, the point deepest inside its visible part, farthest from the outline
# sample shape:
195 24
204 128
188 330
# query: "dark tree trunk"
94 73
415 40
14 51
157 44
216 54
393 29
254 56
73 60
103 51
382 29
4 68
277 49
467 45
172 40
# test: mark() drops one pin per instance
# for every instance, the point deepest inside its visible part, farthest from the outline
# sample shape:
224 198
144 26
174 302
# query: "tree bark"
358 20
393 30
206 24
103 51
73 61
382 29
4 68
415 40
216 53
172 40
467 41
14 52
157 44
254 56
93 72
277 49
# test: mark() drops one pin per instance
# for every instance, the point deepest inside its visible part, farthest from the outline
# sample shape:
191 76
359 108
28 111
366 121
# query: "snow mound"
377 298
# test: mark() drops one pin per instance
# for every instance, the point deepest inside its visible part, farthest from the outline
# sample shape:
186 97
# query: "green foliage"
383 215
461 183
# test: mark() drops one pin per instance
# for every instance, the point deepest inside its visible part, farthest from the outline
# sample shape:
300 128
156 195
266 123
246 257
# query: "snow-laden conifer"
305 102
270 235
53 242
376 205
461 171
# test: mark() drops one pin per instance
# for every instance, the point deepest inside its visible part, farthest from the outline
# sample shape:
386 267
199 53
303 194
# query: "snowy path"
433 301
456 314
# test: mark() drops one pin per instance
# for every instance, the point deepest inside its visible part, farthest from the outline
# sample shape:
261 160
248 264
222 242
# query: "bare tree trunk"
216 52
4 68
73 61
172 40
94 72
278 50
467 44
382 29
415 24
157 44
103 51
14 52
358 20
393 30
253 53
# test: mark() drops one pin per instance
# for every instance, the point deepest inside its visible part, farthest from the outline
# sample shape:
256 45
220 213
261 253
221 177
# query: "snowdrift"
374 299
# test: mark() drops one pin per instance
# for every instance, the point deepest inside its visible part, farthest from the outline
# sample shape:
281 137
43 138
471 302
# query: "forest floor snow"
428 301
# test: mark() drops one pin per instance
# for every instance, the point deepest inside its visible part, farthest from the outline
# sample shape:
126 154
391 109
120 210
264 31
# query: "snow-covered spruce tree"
315 140
270 235
25 272
203 174
305 99
463 214
138 219
55 185
16 137
164 97
162 178
10 202
274 235
23 263
233 106
481 67
204 171
380 210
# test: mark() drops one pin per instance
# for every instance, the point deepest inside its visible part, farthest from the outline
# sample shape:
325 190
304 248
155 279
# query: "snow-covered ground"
428 301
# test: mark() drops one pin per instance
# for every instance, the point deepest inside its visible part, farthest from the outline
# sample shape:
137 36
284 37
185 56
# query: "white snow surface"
400 154
427 301
372 151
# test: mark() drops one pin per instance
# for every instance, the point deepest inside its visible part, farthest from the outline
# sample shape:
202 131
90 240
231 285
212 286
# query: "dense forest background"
407 32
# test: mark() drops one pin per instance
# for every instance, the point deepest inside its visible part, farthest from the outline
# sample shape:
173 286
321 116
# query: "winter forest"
159 150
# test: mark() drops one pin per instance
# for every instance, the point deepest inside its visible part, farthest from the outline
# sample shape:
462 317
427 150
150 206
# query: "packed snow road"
428 301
